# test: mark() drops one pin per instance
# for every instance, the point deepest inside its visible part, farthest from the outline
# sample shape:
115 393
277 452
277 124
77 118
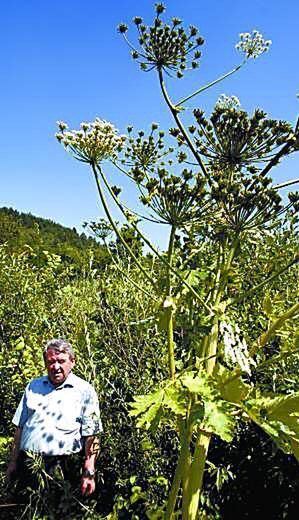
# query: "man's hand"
88 480
88 486
12 466
11 471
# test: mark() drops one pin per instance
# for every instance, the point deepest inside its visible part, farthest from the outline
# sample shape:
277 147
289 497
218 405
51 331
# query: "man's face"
59 365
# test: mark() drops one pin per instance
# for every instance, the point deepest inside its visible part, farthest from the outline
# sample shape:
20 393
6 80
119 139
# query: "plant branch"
116 231
150 245
287 183
174 110
169 310
283 151
278 323
211 84
264 282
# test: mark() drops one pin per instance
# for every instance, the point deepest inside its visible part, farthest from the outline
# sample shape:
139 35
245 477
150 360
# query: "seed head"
167 47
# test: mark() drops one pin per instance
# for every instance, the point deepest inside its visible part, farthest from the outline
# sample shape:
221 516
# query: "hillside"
18 229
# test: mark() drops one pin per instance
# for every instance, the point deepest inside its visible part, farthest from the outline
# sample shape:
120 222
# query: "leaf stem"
285 184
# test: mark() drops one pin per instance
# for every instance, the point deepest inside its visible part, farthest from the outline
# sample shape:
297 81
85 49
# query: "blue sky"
65 60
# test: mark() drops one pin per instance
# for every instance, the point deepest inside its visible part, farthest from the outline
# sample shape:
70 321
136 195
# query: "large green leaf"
231 387
176 399
147 408
198 384
279 417
217 419
143 402
216 416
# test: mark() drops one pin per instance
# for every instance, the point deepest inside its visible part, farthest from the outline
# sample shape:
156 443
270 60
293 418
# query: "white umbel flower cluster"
228 101
95 142
235 348
253 44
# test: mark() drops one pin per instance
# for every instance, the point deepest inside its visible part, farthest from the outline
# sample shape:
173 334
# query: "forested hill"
18 229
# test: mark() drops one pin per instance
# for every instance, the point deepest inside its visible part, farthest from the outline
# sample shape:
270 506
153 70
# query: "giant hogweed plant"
212 190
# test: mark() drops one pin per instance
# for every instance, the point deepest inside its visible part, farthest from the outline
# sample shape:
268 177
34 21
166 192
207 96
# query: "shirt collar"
69 382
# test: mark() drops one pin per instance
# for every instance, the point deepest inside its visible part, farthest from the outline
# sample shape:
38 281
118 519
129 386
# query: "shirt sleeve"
21 413
91 420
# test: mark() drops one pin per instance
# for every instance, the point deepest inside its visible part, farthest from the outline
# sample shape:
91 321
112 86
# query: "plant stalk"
116 231
190 510
174 110
170 310
211 84
147 242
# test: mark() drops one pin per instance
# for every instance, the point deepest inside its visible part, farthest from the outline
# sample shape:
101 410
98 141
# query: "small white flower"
253 45
85 126
59 136
62 125
95 142
228 102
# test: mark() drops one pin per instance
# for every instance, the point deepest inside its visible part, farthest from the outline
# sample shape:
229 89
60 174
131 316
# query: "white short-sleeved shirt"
55 419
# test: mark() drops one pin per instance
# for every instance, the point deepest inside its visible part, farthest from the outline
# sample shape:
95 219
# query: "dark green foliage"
266 482
18 229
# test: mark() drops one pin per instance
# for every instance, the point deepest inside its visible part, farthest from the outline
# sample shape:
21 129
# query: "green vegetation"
194 351
23 229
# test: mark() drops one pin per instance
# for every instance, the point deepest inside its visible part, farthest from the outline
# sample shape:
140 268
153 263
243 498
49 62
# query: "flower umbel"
95 142
228 101
143 153
236 148
165 47
232 139
253 45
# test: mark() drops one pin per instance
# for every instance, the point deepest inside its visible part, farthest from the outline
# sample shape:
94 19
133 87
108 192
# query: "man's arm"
92 447
12 466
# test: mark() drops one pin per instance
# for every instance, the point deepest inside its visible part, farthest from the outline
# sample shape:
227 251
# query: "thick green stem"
191 494
175 487
170 344
170 310
190 509
212 346
174 110
220 285
182 468
118 234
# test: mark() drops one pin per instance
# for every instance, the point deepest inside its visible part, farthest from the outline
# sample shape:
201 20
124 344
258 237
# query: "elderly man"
58 416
